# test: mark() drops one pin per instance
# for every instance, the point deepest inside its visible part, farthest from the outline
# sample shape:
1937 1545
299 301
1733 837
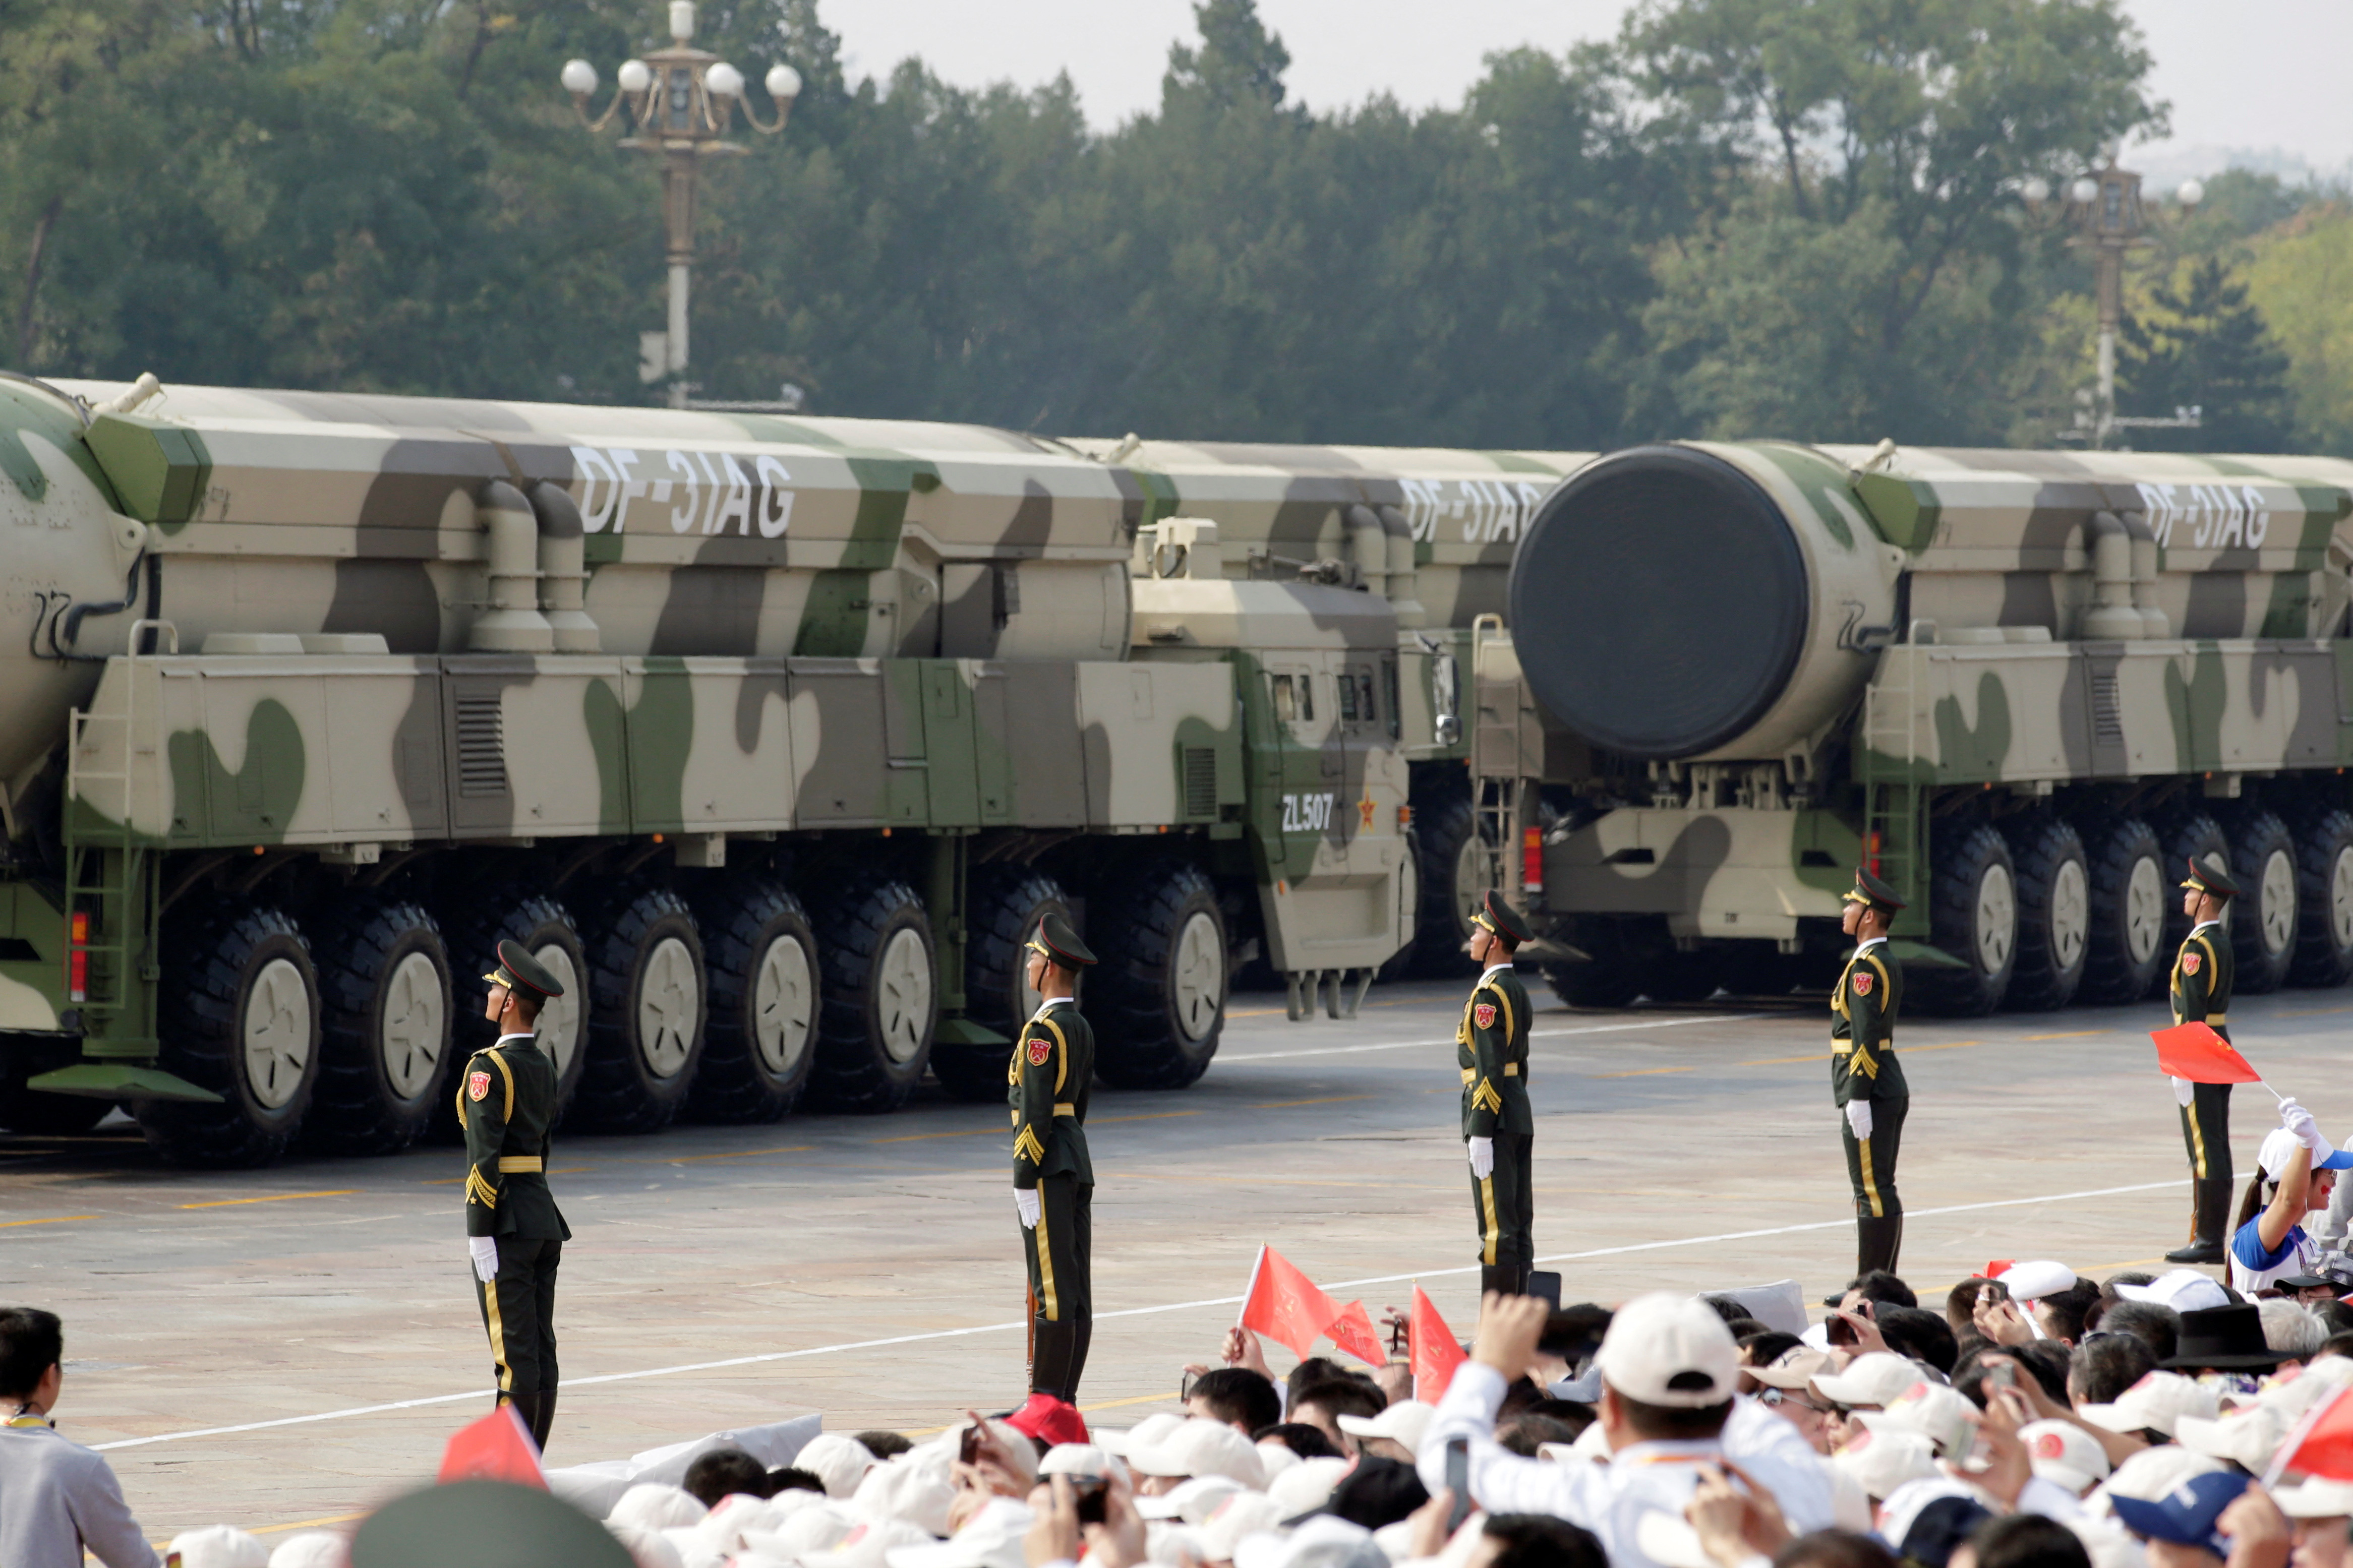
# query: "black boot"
1055 1349
1877 1242
1499 1276
542 1418
2209 1214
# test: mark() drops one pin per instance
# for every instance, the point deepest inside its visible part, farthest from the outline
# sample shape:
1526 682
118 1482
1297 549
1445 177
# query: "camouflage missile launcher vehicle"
2023 686
773 737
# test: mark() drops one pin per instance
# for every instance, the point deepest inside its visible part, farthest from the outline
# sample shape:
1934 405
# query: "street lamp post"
681 102
2105 206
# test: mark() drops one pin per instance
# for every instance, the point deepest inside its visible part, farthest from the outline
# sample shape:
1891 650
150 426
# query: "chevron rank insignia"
1862 982
1485 1013
1040 1048
2190 962
478 1086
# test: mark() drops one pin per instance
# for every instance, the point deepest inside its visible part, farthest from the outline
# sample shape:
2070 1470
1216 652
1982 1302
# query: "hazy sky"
2252 74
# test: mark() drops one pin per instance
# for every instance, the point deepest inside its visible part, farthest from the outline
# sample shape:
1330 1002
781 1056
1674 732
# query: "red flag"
498 1447
1434 1354
1352 1331
1286 1305
2322 1444
2196 1052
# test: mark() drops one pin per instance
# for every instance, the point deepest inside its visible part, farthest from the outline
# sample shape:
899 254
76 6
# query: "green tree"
2201 344
2302 280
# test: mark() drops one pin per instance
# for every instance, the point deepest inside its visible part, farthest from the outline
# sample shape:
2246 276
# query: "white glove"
2182 1090
485 1250
1025 1204
1482 1157
2299 1121
1858 1119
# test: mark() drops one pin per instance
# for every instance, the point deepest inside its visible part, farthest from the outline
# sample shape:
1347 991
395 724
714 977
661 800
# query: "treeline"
1744 217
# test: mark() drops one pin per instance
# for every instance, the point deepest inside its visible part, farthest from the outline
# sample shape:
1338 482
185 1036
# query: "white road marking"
1532 1034
1125 1313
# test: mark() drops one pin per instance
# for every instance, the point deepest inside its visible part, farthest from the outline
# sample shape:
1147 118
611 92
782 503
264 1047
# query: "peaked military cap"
484 1524
1869 890
2206 880
1058 941
1498 916
519 971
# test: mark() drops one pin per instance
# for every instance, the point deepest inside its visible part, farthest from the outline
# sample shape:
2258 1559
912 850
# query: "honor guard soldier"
506 1100
1866 1080
2202 974
1052 1068
1490 1047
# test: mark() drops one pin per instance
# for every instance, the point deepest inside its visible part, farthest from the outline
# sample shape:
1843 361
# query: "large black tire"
385 1036
238 1013
2125 950
1157 1000
1753 968
649 1001
38 1115
881 993
2196 837
1007 906
1454 867
1405 962
1621 969
2263 923
2054 912
762 966
2324 866
1972 915
472 927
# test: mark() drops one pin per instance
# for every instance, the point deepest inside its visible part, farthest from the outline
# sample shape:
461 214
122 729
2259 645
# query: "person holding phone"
1051 1072
1866 1080
1498 1129
2201 991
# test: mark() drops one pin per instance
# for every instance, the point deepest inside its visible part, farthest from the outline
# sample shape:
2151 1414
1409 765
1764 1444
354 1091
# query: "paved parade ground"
273 1347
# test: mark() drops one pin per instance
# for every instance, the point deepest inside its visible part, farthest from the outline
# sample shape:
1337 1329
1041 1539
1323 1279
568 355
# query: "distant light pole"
683 100
2105 206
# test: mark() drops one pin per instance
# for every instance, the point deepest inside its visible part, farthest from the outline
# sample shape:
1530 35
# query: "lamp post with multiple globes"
681 102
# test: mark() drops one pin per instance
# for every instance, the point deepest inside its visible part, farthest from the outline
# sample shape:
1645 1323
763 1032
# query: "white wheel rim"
1996 918
902 994
1470 881
1198 983
667 1001
2279 901
1032 997
559 1021
416 1024
782 1000
2340 898
276 1033
2143 910
2070 914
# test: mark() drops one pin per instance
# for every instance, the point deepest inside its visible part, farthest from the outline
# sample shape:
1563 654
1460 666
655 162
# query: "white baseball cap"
311 1549
1241 1513
1881 1461
868 1544
1276 1456
803 1532
2065 1455
1323 1542
1200 1447
836 1459
1081 1459
916 1493
655 1505
2034 1280
2280 1145
215 1546
1793 1369
2317 1498
989 1538
1869 1380
2152 1472
1143 1434
1191 1500
1403 1422
1308 1486
2247 1437
1933 1411
2183 1289
1672 1350
2158 1401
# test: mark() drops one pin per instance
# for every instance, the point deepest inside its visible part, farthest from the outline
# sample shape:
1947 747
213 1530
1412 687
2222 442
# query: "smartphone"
2001 1374
968 1448
1090 1491
1545 1283
1458 1481
1841 1331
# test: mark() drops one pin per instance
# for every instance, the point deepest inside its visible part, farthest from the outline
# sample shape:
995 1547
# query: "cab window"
1286 702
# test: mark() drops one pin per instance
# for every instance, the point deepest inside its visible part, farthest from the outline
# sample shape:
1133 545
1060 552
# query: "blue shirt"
2253 1265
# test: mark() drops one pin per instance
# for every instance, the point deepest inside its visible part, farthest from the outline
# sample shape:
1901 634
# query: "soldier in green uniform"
1051 1072
1490 1047
2202 974
1866 1080
506 1100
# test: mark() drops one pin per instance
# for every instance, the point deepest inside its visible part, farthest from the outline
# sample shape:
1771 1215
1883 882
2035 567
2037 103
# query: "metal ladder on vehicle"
105 914
1894 831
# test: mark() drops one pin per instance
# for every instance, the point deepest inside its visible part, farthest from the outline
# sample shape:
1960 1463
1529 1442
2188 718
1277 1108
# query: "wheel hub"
276 1033
559 1020
2145 910
783 1000
2340 898
667 1001
1197 977
1996 918
415 1025
2278 908
2070 914
902 994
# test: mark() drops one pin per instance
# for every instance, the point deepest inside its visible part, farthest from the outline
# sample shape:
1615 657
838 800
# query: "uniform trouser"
1059 1250
1503 1203
1871 1167
2206 1138
519 1312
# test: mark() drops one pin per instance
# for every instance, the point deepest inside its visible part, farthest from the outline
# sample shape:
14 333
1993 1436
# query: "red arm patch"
2191 960
1863 978
478 1086
1040 1049
1484 1015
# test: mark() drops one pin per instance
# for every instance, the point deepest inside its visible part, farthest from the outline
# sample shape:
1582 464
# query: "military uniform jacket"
1492 1049
1051 1073
1862 1028
506 1097
2202 975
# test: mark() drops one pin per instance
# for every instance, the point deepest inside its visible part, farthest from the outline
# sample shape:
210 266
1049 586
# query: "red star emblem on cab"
1863 981
2190 962
1485 1014
1040 1048
478 1086
1365 810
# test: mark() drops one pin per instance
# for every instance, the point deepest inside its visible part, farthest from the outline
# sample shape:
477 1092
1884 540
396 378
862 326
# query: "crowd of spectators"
2038 1420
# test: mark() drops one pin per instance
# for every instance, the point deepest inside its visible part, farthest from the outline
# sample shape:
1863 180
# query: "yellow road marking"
61 1219
2070 1035
273 1198
739 1155
1155 1116
1327 1100
461 1181
1084 1410
1650 1072
1901 1050
968 1132
1784 1061
2313 1011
